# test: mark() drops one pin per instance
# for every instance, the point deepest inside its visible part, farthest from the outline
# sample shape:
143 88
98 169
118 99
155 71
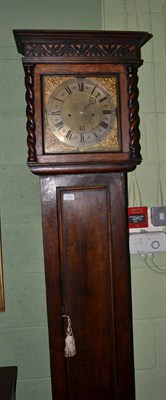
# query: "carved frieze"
79 49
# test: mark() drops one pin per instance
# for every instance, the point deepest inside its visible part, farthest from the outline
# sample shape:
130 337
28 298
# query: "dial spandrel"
80 114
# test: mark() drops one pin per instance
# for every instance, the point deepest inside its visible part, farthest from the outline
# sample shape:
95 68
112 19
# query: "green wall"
23 326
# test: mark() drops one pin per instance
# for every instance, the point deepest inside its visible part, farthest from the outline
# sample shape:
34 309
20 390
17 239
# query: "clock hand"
91 101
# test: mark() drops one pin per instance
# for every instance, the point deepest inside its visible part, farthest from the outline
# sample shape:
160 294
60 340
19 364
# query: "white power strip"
147 242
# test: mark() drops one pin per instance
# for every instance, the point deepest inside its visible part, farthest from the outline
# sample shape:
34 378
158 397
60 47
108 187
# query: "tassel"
70 347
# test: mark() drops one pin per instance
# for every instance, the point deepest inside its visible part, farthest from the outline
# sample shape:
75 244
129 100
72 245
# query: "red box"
137 217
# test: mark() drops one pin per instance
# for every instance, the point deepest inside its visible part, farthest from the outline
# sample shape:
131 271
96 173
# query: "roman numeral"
56 98
93 89
81 84
103 99
55 112
82 138
68 90
69 134
104 125
107 111
59 125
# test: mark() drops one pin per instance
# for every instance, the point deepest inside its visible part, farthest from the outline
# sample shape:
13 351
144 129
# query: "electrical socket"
147 242
158 216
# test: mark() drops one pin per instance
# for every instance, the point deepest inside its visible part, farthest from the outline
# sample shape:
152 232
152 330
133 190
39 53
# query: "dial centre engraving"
81 110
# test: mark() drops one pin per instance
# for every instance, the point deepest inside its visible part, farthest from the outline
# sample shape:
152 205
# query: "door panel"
84 229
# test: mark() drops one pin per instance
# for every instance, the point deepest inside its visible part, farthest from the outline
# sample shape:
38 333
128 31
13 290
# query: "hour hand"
91 101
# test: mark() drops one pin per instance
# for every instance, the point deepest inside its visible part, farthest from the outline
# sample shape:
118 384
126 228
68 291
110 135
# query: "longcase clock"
83 138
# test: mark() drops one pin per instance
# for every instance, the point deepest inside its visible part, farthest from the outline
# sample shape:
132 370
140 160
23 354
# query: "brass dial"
80 112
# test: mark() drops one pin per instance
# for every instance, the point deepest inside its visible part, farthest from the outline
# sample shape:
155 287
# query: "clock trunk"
88 279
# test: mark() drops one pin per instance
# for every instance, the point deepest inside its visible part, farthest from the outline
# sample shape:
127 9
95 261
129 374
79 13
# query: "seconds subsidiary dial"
80 113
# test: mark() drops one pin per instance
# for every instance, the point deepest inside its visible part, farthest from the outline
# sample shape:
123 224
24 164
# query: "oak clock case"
83 138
